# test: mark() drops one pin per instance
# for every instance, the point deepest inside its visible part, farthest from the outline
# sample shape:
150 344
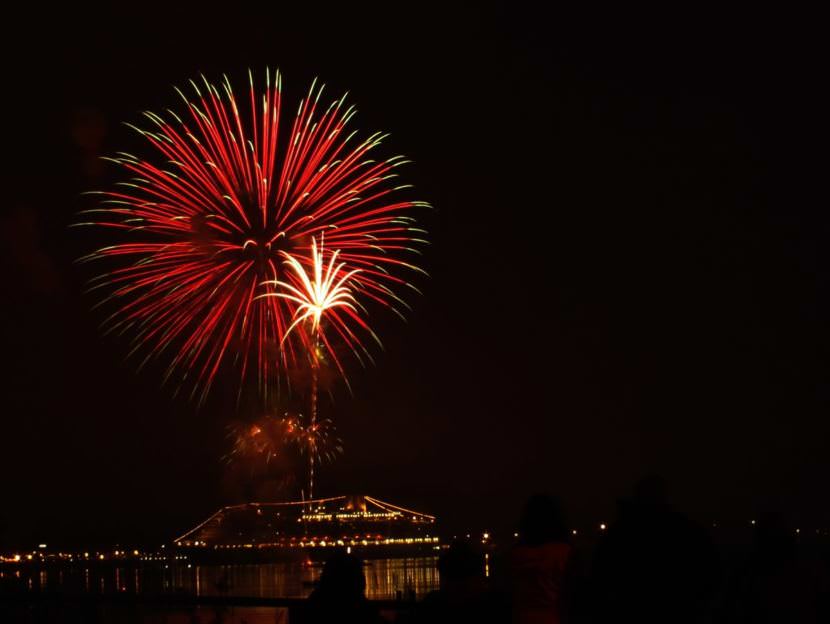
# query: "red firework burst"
203 221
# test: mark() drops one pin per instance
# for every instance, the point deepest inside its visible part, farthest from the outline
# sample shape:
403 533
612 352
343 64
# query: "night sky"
628 265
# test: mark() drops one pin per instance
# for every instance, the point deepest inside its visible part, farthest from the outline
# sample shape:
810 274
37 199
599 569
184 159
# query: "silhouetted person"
539 563
653 564
463 594
222 584
777 584
340 596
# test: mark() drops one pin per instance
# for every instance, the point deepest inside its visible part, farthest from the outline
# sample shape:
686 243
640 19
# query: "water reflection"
385 579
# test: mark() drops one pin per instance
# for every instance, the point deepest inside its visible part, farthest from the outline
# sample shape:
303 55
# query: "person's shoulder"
541 552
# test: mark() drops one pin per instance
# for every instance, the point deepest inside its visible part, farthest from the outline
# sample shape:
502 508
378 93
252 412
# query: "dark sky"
628 265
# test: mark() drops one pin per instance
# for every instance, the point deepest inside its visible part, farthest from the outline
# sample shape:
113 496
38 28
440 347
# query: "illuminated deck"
344 521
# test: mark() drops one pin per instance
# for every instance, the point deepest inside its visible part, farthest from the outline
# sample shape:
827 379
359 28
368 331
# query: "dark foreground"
651 565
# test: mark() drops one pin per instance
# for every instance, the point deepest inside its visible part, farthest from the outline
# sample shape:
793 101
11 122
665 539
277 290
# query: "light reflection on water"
385 579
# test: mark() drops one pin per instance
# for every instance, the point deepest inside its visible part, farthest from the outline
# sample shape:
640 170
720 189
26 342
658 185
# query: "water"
385 579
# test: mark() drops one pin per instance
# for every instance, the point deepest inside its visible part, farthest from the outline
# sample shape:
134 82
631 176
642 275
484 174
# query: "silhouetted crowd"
653 564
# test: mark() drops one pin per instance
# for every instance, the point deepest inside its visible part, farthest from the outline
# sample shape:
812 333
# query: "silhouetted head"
342 578
459 562
543 521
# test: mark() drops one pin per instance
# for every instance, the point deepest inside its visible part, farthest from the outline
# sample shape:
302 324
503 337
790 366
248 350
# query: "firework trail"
206 216
322 291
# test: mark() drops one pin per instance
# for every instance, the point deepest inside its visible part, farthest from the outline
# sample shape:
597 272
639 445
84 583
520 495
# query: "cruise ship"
361 524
